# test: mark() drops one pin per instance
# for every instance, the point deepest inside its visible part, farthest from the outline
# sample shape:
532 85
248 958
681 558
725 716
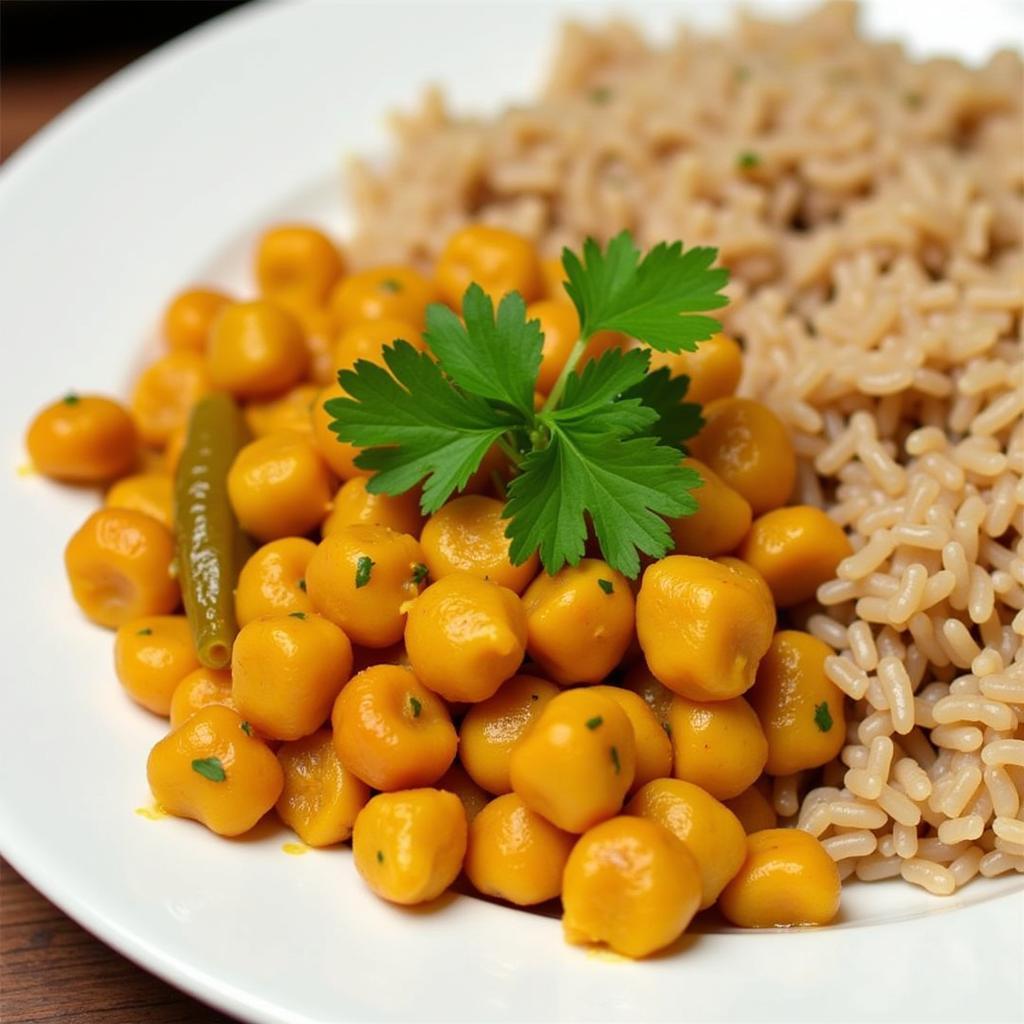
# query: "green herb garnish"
364 567
606 585
601 95
145 631
604 449
822 716
380 856
615 760
296 615
210 768
419 573
389 284
71 398
416 706
595 722
247 728
748 160
914 100
301 585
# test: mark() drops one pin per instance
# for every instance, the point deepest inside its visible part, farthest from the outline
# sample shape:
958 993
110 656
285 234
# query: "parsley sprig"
603 453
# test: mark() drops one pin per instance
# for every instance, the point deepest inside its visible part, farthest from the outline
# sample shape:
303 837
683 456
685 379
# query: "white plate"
162 176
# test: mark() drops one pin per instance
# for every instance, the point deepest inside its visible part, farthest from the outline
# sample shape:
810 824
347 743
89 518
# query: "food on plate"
152 655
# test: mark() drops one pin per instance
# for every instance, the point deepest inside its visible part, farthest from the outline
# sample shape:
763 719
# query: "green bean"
211 547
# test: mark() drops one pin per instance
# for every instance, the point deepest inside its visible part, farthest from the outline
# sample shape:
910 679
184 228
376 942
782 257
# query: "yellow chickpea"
579 621
214 770
409 846
383 293
165 393
362 577
703 628
655 695
82 439
753 809
151 493
497 260
199 689
256 350
273 580
752 577
173 449
746 444
119 567
800 708
706 827
516 855
492 728
297 260
630 884
786 879
576 763
456 780
189 317
391 731
318 327
714 369
721 521
468 535
553 277
320 799
279 486
354 505
367 339
653 747
465 637
151 656
292 411
718 746
796 549
339 455
286 672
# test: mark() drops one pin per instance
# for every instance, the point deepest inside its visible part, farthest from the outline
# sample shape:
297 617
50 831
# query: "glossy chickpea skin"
354 505
800 708
189 317
746 444
492 728
787 878
465 637
795 549
119 567
474 798
703 627
629 883
213 770
150 493
151 656
367 339
653 747
286 671
516 855
339 455
320 799
577 762
291 411
82 439
714 368
165 393
297 261
721 521
753 809
391 731
382 293
468 535
499 261
279 486
273 580
654 694
362 577
199 689
707 828
718 746
579 621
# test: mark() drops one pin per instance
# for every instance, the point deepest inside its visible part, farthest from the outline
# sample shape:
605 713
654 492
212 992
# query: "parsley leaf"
677 421
646 298
606 585
210 768
822 716
589 399
364 569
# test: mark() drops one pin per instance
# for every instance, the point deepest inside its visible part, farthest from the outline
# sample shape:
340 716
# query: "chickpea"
631 884
579 621
82 439
714 368
721 521
653 747
786 879
753 809
173 449
796 549
383 293
273 580
199 689
391 731
354 505
151 493
492 728
362 577
279 486
151 656
746 444
751 576
367 339
165 393
468 535
119 567
577 762
497 260
457 781
494 464
708 829
703 627
297 260
718 746
465 637
553 277
286 671
292 411
189 317
256 350
338 454
318 326
516 855
655 695
800 708
561 327
320 799
409 846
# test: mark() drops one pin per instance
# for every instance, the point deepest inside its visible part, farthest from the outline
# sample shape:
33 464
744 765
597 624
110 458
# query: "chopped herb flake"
247 728
416 706
615 760
389 284
668 729
210 768
301 585
296 615
914 100
364 567
748 160
145 631
822 717
419 573
606 585
380 856
601 95
593 723
71 398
